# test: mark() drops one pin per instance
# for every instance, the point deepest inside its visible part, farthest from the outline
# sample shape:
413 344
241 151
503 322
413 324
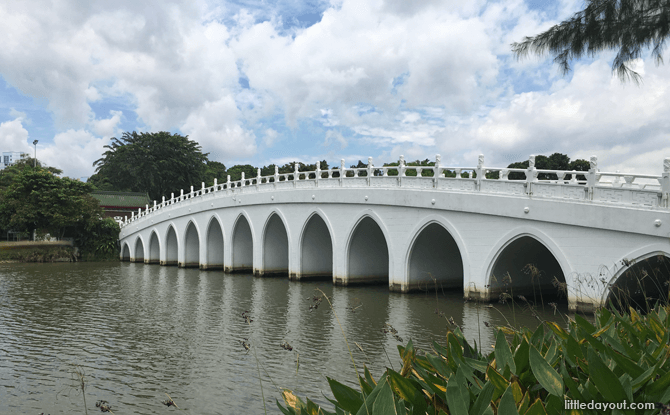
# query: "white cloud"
13 137
592 114
270 137
73 151
107 127
333 136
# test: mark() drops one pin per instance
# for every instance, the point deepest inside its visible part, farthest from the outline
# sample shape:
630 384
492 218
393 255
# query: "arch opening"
191 248
435 262
171 247
139 251
368 256
275 247
243 247
526 271
125 252
316 252
214 258
154 250
644 283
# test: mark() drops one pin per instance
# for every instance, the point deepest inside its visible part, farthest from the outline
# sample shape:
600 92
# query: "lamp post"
35 144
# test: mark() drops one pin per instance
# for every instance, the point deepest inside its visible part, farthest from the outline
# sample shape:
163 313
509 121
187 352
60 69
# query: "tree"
214 170
36 199
629 25
156 163
556 161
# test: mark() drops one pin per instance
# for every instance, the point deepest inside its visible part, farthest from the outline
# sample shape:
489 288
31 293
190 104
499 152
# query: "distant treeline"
163 163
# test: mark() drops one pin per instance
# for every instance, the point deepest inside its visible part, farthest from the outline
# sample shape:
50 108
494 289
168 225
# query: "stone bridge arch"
526 262
191 246
125 252
171 246
138 252
154 248
275 245
242 244
640 278
316 247
368 253
436 257
214 244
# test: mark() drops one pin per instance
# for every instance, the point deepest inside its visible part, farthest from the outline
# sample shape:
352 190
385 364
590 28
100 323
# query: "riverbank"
38 251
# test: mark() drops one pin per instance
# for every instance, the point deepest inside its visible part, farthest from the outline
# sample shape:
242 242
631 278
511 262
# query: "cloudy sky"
260 82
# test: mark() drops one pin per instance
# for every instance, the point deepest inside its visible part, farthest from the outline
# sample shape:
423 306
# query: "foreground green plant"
622 357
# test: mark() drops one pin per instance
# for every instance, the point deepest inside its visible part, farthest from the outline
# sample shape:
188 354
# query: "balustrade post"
437 170
318 173
132 215
258 177
591 177
276 175
401 166
665 182
295 174
243 180
154 205
480 171
181 195
202 191
228 183
370 170
531 174
342 171
146 209
216 185
191 194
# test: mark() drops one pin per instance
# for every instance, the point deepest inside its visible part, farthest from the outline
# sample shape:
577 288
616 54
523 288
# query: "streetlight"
35 144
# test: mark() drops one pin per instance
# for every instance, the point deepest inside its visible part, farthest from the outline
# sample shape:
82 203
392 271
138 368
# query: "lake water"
138 331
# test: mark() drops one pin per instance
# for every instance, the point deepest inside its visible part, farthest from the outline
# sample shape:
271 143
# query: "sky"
260 82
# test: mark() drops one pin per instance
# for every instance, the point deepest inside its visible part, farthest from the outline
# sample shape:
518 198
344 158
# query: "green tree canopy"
36 199
627 25
556 161
156 163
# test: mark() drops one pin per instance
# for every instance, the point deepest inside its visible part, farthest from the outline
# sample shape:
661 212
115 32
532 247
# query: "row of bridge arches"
434 259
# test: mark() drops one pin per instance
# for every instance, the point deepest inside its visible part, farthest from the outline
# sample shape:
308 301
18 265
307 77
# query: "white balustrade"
642 190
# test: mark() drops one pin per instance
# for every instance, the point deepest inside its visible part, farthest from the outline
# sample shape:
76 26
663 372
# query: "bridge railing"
593 186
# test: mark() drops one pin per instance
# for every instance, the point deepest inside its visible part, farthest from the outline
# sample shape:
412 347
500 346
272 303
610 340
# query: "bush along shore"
620 359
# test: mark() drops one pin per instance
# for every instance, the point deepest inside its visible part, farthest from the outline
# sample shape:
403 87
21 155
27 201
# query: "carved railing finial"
593 162
531 161
480 161
666 165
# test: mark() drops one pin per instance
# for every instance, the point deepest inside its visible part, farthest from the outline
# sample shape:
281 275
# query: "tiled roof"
121 199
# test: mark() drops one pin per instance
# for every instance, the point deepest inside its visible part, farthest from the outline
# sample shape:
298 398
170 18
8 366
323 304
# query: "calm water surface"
140 331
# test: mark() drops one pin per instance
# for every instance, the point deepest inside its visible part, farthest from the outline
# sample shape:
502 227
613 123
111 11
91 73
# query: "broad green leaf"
347 398
538 337
581 322
537 408
560 331
385 403
503 353
483 400
498 381
545 374
455 392
507 405
405 389
366 408
604 379
521 356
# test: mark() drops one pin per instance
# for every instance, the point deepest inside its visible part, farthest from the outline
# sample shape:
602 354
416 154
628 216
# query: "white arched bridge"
416 228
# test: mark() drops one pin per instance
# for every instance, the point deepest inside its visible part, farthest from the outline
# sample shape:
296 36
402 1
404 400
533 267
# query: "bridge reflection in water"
570 234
